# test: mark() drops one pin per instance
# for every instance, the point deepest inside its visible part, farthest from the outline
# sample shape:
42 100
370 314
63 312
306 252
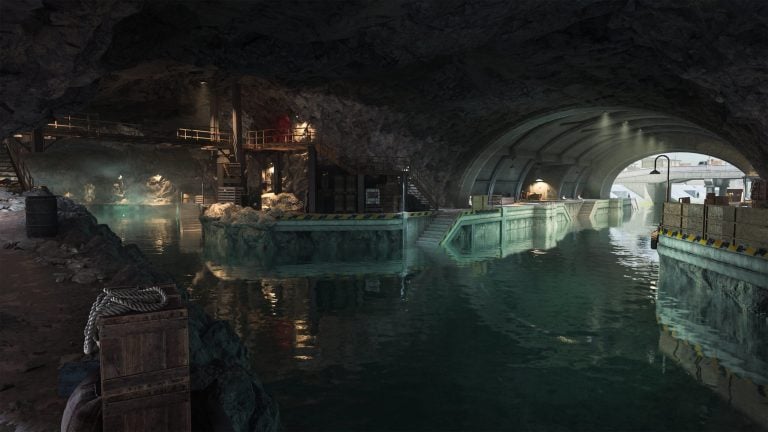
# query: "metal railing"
204 135
423 185
88 124
266 138
382 164
15 151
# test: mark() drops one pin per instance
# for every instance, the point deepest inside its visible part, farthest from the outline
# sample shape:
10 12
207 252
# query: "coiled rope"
115 301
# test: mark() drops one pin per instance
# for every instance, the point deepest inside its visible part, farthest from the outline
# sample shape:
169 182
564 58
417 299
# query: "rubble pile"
10 202
283 201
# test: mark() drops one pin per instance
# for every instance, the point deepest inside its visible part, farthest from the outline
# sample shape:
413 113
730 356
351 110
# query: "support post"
361 193
38 142
312 183
403 213
213 122
404 193
277 177
253 180
237 128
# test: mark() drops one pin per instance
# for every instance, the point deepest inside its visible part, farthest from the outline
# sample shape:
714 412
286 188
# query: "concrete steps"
437 228
586 209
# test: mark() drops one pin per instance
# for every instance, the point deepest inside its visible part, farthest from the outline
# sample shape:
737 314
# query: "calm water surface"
557 334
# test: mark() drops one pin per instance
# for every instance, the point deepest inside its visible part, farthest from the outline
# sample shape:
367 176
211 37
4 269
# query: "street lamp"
655 171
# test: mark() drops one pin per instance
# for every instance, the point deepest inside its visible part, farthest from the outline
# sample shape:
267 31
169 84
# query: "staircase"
586 209
7 171
8 177
13 172
437 228
422 203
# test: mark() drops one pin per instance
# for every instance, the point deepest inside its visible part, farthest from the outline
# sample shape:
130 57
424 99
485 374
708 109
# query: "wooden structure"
145 369
736 225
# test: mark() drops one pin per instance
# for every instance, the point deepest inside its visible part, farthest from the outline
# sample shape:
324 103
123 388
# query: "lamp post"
655 171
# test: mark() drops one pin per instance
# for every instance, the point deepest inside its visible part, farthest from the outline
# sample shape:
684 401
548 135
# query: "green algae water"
571 333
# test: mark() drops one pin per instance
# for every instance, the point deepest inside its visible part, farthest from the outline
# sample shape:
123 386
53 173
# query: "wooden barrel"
42 220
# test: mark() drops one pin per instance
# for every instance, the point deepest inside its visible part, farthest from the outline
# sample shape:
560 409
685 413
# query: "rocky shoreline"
246 236
226 395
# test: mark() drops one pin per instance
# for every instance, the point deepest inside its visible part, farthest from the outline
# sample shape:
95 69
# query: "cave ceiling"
441 77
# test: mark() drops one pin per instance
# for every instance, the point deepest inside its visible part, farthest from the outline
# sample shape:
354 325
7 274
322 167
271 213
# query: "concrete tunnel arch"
580 151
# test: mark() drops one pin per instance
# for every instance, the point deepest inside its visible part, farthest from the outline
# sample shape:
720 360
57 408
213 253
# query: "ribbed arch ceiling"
576 150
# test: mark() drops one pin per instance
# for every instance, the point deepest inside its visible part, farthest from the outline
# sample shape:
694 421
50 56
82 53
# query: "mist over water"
560 332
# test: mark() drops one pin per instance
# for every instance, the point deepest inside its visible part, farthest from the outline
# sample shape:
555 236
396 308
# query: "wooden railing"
16 150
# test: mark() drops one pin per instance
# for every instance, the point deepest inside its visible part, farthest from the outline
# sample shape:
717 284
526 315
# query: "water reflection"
547 330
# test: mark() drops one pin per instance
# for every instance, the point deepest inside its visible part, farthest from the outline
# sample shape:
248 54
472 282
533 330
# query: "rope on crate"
115 301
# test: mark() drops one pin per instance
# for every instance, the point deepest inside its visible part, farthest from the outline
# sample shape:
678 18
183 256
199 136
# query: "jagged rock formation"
433 80
226 394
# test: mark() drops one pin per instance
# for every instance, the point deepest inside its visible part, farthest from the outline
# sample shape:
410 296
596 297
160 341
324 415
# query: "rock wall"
97 172
432 80
708 308
226 394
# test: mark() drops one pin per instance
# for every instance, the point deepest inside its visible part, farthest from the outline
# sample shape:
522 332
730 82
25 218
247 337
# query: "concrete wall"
742 267
705 329
289 241
497 228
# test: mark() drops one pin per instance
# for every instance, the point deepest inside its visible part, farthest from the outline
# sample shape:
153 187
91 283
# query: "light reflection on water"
552 333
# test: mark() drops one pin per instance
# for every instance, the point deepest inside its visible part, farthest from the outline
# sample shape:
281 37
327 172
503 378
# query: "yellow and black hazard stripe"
339 216
420 214
717 243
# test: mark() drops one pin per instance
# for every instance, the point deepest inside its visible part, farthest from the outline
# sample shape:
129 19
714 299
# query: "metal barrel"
42 220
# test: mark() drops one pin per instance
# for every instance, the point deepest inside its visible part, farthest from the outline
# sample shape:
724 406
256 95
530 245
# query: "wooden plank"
112 355
109 331
144 381
179 417
673 209
168 388
693 210
113 423
153 351
715 213
135 317
157 418
133 360
752 233
176 348
753 216
159 400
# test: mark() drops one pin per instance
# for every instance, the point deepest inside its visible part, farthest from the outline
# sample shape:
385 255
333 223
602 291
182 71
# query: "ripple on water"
557 338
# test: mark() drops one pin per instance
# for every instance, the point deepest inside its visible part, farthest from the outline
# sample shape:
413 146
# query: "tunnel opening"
693 178
578 152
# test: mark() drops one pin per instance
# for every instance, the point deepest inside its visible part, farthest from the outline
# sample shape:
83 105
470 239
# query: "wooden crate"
145 369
